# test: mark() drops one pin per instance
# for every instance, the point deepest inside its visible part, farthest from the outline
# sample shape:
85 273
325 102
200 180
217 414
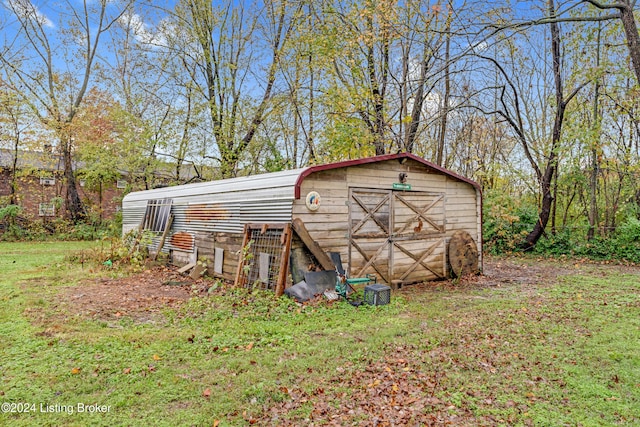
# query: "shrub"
623 245
13 227
9 213
506 222
132 248
629 230
561 243
9 222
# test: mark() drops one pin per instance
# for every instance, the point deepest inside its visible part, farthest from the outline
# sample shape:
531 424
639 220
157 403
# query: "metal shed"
393 216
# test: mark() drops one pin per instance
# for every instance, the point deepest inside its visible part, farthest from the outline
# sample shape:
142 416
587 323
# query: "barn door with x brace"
418 237
396 235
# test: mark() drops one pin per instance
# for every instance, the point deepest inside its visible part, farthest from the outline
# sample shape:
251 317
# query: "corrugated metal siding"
220 206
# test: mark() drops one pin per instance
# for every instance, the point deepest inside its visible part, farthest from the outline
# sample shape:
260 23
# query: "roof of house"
40 160
227 204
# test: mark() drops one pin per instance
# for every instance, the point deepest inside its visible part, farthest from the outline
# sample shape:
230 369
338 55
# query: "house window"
47 181
47 209
121 183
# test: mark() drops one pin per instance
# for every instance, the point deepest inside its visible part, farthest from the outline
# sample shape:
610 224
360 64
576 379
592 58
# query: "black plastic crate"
377 294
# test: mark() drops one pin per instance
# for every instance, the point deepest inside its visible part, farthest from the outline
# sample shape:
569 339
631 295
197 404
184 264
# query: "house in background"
40 188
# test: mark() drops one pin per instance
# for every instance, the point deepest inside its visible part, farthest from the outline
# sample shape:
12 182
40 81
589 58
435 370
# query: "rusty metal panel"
182 241
206 212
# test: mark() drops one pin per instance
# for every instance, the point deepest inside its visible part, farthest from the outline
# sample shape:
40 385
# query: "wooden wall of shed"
329 224
206 243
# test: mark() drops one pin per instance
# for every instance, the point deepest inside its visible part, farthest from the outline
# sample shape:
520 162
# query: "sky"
54 17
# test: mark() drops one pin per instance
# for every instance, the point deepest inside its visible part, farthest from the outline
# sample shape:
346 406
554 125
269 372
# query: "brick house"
41 189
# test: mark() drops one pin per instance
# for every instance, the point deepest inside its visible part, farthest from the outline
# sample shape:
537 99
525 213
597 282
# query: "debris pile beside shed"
391 216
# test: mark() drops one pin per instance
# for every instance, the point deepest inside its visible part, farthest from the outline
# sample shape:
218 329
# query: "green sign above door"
401 186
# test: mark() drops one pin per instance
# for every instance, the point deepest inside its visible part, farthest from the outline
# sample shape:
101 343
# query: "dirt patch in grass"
499 272
524 273
140 297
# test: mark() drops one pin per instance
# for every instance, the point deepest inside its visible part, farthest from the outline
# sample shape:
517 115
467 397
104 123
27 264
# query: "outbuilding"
398 217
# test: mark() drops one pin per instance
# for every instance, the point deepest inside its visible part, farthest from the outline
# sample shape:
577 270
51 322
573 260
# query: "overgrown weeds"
14 227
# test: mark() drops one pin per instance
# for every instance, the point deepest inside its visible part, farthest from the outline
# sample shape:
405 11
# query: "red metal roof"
311 169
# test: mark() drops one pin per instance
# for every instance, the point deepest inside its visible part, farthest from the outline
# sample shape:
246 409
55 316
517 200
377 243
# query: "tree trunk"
633 38
310 139
73 203
14 169
418 101
543 217
546 179
378 88
378 105
554 206
445 107
593 178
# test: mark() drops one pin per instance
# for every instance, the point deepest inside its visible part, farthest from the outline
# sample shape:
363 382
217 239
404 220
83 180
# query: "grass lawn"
550 353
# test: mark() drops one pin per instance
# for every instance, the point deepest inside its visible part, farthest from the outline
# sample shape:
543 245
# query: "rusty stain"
419 227
182 240
206 212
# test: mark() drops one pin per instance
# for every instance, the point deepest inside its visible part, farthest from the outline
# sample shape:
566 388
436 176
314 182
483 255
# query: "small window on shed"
47 181
157 214
46 209
121 183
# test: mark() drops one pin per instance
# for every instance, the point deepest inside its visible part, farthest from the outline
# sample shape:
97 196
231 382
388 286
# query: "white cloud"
141 30
481 46
431 105
24 9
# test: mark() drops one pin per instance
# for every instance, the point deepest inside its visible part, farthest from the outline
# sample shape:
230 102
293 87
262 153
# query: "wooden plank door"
369 230
418 240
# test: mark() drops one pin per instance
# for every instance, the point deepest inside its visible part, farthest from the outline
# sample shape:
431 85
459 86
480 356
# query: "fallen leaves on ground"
398 390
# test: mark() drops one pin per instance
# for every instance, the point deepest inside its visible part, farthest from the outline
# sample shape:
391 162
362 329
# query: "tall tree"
302 69
14 124
156 94
236 50
624 12
386 64
542 159
55 69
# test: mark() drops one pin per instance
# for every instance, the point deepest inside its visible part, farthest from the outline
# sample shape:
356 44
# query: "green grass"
559 354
